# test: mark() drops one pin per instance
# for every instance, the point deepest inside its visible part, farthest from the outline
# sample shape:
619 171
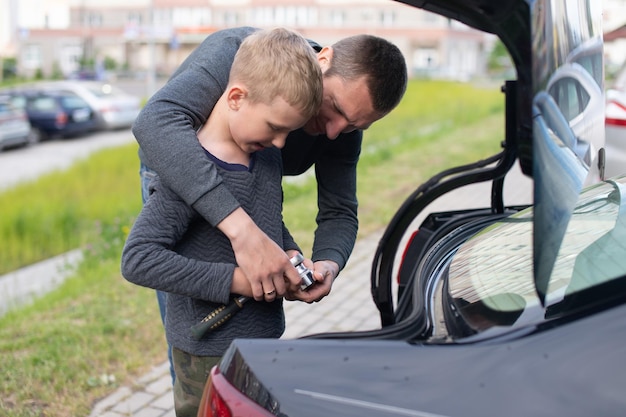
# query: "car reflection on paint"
616 126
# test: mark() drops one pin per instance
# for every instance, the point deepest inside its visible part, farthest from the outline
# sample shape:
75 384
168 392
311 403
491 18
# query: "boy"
275 86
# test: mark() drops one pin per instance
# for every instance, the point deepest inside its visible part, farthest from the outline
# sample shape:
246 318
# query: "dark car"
500 311
55 113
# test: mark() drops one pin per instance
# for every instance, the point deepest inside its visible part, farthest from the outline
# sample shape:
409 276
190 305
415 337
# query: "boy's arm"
166 132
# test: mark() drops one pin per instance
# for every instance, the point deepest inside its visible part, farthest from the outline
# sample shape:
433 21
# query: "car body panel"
542 374
15 129
615 131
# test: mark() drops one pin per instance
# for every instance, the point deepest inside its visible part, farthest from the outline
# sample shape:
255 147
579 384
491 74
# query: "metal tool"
223 313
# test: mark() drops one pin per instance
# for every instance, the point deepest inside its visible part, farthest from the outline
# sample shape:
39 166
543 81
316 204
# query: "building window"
283 16
306 16
70 58
387 18
134 19
163 17
31 57
231 19
264 16
337 17
191 16
92 19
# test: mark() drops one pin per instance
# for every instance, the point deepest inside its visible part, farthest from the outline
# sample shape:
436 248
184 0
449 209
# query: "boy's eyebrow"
278 126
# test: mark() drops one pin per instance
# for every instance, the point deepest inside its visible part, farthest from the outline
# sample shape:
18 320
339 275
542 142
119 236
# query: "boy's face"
256 125
346 104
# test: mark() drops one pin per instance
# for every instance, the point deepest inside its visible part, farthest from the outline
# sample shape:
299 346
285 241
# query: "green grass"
66 210
97 331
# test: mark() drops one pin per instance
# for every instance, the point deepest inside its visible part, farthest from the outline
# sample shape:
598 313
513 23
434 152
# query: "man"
364 78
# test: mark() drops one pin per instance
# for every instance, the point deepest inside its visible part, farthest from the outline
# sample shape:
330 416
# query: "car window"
19 102
593 64
42 104
570 96
71 102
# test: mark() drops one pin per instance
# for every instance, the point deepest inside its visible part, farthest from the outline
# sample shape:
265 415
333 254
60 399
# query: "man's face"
346 105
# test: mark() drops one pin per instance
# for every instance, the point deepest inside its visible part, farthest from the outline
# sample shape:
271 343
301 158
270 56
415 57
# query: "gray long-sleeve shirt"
166 132
171 248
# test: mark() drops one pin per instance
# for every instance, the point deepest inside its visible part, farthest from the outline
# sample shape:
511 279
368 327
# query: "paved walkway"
348 307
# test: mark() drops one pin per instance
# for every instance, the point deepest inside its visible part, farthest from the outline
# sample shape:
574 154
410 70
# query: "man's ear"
235 95
324 58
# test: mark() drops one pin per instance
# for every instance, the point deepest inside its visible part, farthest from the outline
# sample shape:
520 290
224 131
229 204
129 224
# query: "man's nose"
337 126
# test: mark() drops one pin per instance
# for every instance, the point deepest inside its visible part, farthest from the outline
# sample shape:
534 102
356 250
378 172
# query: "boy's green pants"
192 373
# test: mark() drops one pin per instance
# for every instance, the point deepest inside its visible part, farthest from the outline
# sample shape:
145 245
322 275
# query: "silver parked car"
15 129
113 107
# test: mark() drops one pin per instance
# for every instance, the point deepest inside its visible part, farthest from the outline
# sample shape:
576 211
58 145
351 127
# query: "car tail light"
611 121
61 119
616 121
221 399
404 254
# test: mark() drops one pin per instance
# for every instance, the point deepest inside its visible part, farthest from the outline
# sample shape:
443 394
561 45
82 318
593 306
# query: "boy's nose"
279 141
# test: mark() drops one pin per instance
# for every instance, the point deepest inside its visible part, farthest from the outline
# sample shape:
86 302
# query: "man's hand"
263 262
324 273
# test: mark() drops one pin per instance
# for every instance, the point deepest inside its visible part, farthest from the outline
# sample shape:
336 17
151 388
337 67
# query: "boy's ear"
236 94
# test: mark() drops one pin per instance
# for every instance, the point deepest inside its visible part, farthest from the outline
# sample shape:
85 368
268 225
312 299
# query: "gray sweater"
166 132
172 248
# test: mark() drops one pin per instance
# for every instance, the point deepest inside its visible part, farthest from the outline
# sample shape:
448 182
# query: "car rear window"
42 104
72 102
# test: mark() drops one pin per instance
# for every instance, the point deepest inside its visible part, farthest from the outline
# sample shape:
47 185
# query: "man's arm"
148 260
335 168
166 127
166 132
337 222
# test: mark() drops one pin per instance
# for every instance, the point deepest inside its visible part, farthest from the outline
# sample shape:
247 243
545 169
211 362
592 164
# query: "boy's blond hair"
279 62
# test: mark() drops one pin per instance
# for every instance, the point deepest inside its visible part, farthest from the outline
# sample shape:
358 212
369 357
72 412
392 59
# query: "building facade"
142 35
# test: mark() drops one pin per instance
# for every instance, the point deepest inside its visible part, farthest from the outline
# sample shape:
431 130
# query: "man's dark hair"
378 59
